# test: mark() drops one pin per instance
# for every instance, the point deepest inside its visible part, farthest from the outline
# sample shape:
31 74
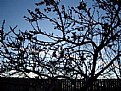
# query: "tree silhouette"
85 43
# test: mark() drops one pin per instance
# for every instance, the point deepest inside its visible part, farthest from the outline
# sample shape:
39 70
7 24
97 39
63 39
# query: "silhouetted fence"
20 84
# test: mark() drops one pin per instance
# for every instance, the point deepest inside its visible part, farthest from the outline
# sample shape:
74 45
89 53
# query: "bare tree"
83 42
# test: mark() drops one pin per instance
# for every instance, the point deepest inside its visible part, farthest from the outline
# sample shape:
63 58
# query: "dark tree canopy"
83 42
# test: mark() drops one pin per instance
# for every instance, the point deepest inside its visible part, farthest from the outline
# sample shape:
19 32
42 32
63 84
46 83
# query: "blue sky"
14 10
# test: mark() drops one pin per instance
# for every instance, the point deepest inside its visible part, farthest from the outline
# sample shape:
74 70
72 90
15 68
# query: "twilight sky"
14 10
